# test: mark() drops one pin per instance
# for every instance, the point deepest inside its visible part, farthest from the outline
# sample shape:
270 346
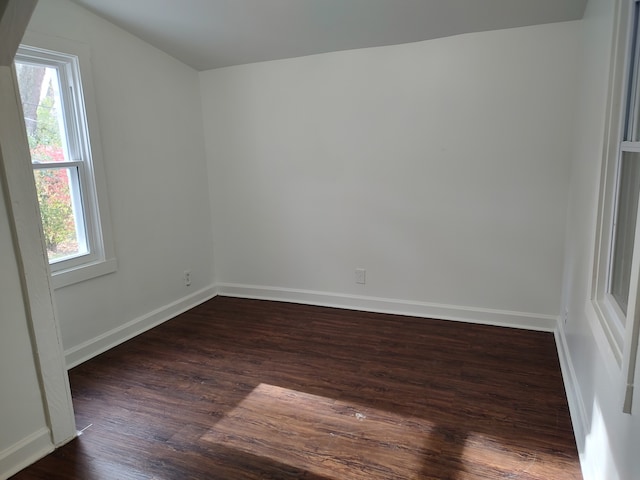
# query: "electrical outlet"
361 276
187 277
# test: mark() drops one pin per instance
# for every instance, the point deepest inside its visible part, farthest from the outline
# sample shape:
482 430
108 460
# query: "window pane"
58 195
624 228
632 125
43 115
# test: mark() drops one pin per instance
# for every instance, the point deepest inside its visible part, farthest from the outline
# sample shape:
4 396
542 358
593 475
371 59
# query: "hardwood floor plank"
247 389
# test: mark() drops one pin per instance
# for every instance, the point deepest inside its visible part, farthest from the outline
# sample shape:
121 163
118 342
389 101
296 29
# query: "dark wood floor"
246 389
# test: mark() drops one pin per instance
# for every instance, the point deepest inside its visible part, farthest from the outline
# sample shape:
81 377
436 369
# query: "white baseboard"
89 349
504 318
25 452
83 352
577 410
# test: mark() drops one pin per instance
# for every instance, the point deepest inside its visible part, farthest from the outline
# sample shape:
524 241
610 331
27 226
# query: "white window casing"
95 254
614 294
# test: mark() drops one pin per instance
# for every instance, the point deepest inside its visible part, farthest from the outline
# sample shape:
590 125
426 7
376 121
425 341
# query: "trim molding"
504 318
577 410
81 353
27 451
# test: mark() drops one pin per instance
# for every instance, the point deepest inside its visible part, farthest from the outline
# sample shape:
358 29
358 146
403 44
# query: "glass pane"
58 195
625 227
632 97
43 115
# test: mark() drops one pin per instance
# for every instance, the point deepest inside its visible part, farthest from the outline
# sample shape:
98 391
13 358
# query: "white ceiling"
208 34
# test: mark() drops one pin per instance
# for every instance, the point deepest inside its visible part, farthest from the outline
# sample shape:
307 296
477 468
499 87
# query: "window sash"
623 228
624 196
76 173
64 67
632 104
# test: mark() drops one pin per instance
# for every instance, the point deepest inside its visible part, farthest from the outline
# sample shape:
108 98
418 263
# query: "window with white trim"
617 266
62 159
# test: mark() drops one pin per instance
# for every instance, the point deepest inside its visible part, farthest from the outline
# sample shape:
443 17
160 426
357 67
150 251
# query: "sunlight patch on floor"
336 439
322 435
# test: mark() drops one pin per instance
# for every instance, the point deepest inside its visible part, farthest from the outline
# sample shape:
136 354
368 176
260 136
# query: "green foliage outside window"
52 185
55 207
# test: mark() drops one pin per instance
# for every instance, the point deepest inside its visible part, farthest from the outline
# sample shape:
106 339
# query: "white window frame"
72 62
620 330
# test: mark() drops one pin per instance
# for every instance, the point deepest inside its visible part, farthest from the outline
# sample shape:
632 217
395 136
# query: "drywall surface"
440 167
607 438
22 414
152 143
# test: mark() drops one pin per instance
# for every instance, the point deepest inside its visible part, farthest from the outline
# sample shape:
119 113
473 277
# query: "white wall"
152 141
608 439
19 386
22 418
441 167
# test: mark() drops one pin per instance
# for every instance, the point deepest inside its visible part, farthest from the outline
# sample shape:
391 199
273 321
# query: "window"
63 162
617 266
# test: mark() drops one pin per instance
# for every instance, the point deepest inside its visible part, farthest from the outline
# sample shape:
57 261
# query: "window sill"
82 273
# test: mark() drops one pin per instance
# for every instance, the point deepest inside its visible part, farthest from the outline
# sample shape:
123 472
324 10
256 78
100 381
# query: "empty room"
319 239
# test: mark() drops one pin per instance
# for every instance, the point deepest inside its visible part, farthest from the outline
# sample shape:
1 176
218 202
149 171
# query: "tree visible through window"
57 185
